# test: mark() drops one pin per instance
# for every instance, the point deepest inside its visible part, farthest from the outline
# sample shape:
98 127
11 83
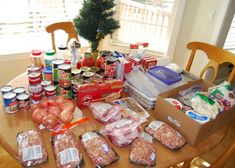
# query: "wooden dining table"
12 124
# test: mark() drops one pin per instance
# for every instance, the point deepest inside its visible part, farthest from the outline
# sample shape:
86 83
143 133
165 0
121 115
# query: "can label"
65 77
35 88
55 70
23 101
66 92
10 103
34 78
36 97
50 91
110 70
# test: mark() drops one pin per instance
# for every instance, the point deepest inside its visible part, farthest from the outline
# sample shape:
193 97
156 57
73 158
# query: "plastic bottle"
36 58
49 56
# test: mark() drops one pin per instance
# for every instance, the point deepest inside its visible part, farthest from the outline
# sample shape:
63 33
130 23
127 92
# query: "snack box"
86 93
192 130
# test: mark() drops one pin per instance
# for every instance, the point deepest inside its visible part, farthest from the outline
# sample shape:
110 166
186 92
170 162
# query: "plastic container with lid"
36 58
62 52
49 56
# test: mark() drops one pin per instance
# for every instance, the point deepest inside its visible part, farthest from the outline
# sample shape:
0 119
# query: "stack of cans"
65 83
55 73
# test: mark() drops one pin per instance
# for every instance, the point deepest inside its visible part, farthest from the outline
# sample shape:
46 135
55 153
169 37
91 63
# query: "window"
230 40
22 22
152 21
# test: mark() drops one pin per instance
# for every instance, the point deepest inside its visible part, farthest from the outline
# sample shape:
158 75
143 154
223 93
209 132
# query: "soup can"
55 70
10 103
110 67
50 91
47 74
19 90
65 75
32 68
5 89
35 88
36 97
34 78
23 101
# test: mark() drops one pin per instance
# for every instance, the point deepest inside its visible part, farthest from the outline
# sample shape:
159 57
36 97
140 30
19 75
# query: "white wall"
196 26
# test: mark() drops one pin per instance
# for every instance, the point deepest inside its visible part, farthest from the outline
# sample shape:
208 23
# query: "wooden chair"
216 56
65 26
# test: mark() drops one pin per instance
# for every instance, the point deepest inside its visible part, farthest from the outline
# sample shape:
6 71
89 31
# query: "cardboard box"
193 131
88 92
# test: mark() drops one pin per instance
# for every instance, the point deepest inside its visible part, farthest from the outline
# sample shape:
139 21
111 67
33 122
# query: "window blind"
230 39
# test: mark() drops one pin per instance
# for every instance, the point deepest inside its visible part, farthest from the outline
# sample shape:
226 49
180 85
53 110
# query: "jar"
36 58
88 60
62 52
49 56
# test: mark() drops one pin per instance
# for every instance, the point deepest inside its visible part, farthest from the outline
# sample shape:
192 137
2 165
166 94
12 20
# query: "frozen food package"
66 150
98 150
143 151
165 134
31 147
121 133
132 107
106 112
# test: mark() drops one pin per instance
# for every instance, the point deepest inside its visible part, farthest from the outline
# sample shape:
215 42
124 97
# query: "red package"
165 134
31 147
66 150
142 150
124 131
106 112
98 150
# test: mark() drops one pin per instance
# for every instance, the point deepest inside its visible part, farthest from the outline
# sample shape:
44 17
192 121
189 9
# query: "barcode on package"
155 125
88 135
147 136
32 153
102 108
122 123
69 155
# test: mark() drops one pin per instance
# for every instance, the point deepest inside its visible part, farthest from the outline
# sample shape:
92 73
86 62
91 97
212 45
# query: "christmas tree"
96 20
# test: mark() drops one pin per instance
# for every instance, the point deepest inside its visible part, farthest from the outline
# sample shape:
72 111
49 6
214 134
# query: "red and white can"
36 97
23 101
34 78
35 88
32 68
50 91
110 67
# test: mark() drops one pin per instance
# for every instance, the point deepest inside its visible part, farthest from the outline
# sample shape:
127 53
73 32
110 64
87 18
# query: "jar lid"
36 52
50 52
62 47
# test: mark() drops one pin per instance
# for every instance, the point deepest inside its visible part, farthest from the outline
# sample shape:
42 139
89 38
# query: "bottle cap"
50 52
62 47
36 52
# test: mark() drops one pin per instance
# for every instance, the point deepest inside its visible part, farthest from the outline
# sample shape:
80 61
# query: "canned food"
66 92
45 83
50 91
32 68
23 101
87 75
110 67
55 71
85 69
36 97
19 90
47 74
35 88
6 89
65 75
76 73
10 103
34 78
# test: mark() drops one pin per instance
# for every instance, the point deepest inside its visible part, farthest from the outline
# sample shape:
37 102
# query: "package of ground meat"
165 134
123 132
106 112
98 150
31 147
66 150
143 151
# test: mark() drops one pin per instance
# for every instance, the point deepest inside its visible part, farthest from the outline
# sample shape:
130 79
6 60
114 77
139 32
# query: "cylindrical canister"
65 75
23 101
110 67
10 103
32 68
35 88
34 78
47 73
36 97
55 70
19 90
5 89
50 91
